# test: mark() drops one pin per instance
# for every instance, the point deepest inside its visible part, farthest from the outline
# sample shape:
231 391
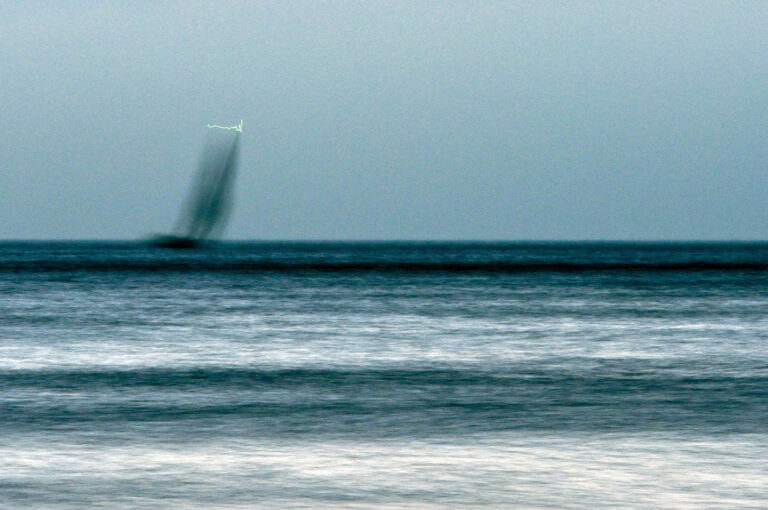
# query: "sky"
466 120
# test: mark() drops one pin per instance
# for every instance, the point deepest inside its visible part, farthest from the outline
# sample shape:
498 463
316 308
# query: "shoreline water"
179 378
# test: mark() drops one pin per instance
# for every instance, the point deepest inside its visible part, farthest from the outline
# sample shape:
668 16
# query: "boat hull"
174 242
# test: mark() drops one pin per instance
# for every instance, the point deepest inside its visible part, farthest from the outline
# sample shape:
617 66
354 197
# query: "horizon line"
401 240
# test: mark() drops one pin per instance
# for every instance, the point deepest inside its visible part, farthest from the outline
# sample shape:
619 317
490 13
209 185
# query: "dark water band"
261 266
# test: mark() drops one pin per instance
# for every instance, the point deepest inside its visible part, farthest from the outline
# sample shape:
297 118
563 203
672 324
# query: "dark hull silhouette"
175 243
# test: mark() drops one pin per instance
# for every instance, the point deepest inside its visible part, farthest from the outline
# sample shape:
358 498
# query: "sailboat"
206 210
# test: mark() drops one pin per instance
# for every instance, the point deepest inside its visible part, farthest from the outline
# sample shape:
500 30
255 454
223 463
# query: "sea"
383 375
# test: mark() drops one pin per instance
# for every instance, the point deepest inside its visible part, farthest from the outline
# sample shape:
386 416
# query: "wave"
622 375
381 401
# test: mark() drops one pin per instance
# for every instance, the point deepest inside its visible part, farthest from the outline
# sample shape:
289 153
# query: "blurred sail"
206 210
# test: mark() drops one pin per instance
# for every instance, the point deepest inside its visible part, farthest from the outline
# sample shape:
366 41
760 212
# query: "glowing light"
238 128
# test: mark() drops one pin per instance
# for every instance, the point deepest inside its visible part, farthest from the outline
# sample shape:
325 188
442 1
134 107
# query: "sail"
207 208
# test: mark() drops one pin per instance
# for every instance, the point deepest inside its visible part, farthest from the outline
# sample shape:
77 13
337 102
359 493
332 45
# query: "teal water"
384 375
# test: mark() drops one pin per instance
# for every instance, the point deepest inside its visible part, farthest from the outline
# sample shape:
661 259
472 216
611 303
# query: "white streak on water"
246 338
494 471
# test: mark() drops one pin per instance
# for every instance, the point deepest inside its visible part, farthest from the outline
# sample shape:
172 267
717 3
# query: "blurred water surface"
397 375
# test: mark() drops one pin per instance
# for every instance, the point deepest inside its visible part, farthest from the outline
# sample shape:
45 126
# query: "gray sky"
389 120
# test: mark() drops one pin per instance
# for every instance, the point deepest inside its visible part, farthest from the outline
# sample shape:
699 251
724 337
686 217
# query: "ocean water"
384 375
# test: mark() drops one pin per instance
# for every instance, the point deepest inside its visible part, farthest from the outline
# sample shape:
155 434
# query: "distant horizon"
394 240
